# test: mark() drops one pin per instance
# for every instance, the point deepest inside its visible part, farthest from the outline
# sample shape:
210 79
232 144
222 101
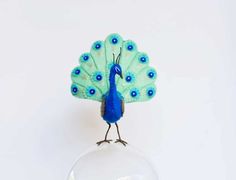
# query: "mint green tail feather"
112 48
90 79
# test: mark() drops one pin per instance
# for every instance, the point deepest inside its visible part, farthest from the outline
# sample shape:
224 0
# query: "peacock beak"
121 76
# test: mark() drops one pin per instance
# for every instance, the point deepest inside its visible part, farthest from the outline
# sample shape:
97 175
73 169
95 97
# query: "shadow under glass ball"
112 162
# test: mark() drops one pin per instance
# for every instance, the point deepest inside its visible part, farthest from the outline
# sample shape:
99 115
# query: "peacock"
114 72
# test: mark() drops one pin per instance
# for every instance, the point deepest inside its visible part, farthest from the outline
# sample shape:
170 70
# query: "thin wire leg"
105 140
120 140
108 130
118 132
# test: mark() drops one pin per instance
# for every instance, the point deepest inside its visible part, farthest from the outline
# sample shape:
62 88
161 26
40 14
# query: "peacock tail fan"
90 80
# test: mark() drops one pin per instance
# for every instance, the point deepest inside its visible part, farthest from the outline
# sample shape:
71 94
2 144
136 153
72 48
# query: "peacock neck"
112 83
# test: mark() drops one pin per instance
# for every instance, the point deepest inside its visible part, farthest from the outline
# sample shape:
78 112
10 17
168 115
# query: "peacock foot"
121 141
105 140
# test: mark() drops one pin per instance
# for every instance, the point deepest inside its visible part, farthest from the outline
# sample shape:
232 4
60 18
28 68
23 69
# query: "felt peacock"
114 73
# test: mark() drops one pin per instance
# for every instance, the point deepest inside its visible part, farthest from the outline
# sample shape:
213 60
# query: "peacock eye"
151 74
151 92
97 45
74 90
130 47
114 40
77 71
92 91
133 93
86 57
128 78
99 77
143 58
117 69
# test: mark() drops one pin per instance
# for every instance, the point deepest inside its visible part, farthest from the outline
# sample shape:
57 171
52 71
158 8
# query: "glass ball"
112 162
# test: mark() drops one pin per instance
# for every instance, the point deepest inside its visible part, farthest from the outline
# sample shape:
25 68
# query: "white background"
188 130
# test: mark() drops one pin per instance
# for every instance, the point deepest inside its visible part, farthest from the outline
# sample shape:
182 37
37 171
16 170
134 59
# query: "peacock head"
116 69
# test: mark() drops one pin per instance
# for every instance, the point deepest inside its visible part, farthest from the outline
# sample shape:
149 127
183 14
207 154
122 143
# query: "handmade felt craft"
114 73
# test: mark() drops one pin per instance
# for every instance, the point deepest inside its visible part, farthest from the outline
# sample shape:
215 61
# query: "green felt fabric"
94 69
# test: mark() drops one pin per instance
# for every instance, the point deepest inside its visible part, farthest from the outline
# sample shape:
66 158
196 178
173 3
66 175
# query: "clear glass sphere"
112 162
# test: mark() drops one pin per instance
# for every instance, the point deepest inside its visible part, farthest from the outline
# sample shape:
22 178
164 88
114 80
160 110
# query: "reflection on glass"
112 162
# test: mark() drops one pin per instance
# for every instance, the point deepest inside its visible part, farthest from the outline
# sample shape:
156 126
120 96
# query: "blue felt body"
113 101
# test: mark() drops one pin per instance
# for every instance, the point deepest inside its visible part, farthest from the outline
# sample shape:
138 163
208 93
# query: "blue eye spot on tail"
97 76
130 46
151 74
114 40
97 45
143 59
151 92
74 89
76 71
134 93
90 91
84 57
129 77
